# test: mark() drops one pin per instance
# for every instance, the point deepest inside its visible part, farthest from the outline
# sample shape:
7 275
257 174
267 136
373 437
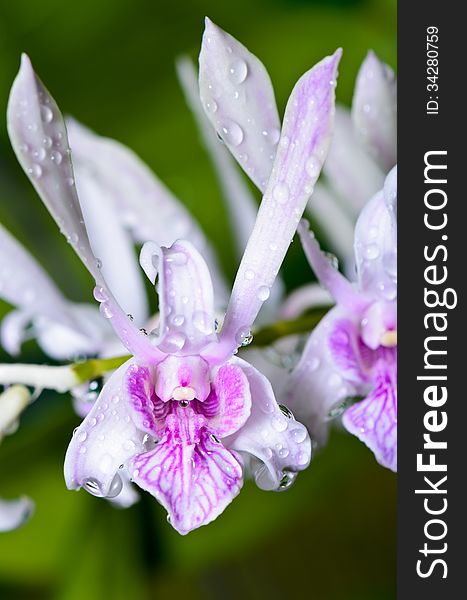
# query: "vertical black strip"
444 252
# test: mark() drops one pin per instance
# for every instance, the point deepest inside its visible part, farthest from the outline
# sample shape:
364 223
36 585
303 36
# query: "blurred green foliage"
111 65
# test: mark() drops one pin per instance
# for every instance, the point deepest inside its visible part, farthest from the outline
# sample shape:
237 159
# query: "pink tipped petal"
143 203
193 482
35 126
376 250
334 221
374 420
114 247
279 441
374 110
352 174
316 386
326 271
14 513
229 405
238 98
304 143
104 441
186 303
25 284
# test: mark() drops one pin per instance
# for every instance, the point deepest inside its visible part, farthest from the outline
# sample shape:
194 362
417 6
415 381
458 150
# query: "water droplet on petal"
238 71
279 423
299 435
371 251
281 192
232 132
249 274
35 171
46 114
243 337
106 311
82 436
203 322
100 294
39 154
313 167
178 320
175 342
211 106
263 293
287 480
92 486
56 157
115 487
286 411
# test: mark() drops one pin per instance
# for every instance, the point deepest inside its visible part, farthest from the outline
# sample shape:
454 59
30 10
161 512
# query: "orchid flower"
13 513
184 415
353 350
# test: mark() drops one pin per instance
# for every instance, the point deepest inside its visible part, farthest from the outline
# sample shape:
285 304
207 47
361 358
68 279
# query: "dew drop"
47 142
56 157
371 251
238 71
299 435
263 293
35 171
115 487
249 274
46 114
175 341
92 486
203 322
82 437
100 294
285 411
279 423
287 480
211 106
281 192
232 132
106 311
313 167
39 154
178 320
243 337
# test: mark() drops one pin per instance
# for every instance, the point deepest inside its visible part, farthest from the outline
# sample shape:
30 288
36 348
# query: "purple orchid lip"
182 413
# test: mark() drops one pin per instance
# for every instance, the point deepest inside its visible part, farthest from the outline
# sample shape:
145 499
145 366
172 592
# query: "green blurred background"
110 63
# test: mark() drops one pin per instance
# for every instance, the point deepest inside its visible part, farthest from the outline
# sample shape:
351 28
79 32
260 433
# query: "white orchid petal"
24 283
145 206
106 439
305 139
186 301
238 99
12 403
113 245
335 222
352 174
374 110
35 126
13 513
